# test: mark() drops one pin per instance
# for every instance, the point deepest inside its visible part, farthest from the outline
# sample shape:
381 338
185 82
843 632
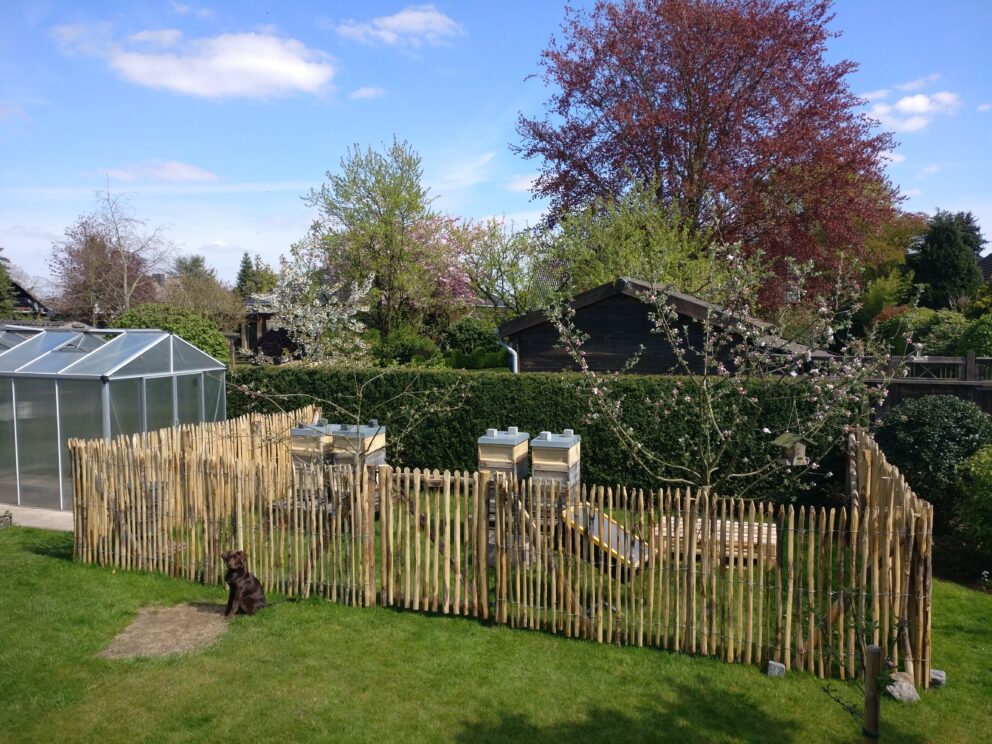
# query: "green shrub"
197 330
469 334
894 324
977 337
927 439
940 335
478 359
975 509
405 346
533 402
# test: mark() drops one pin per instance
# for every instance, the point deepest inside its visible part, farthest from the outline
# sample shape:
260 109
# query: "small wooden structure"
504 452
556 457
339 444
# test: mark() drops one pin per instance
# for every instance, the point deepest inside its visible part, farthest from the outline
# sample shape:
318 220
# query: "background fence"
681 570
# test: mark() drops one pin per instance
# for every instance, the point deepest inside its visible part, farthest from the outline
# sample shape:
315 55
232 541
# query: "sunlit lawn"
318 671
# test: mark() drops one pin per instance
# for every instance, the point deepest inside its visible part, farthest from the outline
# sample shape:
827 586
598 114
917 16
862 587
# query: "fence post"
970 366
873 667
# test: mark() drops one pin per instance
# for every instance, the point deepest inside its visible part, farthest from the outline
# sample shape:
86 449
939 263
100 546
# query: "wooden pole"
873 667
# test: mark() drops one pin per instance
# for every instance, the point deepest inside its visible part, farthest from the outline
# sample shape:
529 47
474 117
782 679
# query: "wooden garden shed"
617 322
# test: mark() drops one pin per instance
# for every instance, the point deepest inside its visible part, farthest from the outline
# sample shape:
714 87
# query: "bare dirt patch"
161 631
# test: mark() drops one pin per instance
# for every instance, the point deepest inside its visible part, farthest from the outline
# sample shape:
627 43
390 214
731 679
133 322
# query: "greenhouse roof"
100 353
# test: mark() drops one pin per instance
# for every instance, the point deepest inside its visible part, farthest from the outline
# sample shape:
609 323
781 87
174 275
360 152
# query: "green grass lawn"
313 670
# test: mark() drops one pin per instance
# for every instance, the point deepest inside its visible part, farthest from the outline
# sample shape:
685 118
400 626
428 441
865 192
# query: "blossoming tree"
727 384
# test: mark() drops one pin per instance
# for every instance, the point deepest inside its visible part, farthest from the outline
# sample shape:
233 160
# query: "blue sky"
216 117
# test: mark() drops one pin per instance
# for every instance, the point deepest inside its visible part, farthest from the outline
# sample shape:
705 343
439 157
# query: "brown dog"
246 591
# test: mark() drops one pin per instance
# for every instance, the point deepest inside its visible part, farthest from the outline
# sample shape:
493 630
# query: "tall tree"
728 107
194 286
376 221
254 277
629 235
104 264
6 288
967 225
945 265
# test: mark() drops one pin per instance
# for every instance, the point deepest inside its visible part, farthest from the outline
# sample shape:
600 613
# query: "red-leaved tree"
728 109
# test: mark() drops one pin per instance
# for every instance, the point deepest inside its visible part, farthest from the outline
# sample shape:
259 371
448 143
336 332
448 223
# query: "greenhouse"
58 384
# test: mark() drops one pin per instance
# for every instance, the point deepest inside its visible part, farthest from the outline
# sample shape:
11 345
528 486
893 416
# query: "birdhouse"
793 449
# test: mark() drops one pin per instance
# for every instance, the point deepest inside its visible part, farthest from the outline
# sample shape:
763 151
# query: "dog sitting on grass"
246 591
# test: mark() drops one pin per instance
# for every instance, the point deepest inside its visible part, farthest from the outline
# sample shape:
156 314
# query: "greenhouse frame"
58 384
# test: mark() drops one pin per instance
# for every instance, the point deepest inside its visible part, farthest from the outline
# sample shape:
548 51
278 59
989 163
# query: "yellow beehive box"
341 444
557 453
504 451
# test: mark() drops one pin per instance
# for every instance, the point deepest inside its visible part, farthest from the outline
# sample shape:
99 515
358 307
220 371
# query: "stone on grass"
901 687
775 669
938 678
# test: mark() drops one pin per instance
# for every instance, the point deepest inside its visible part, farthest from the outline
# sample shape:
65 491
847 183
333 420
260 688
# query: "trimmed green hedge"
533 402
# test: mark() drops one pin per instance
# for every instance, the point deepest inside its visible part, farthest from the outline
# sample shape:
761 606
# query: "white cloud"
912 192
920 82
892 157
463 175
161 170
942 102
249 65
876 95
914 113
930 170
521 183
414 26
366 93
983 107
181 9
163 37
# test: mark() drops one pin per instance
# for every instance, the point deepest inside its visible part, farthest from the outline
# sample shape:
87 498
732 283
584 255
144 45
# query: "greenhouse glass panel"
37 442
188 392
114 353
34 348
10 339
187 358
80 417
55 361
153 361
125 407
8 465
158 403
213 397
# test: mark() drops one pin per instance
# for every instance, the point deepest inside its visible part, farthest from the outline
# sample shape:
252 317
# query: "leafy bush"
533 402
941 333
895 323
478 359
977 337
927 439
936 332
469 334
276 343
197 330
975 509
404 346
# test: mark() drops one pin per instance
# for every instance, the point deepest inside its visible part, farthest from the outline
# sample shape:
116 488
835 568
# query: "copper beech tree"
728 108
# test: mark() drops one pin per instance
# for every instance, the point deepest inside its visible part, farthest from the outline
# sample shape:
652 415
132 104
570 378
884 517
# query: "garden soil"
162 631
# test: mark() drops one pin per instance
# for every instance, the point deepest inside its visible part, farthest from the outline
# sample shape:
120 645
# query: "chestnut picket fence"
678 569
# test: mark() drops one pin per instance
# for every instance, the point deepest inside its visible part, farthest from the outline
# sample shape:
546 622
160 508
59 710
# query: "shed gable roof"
684 304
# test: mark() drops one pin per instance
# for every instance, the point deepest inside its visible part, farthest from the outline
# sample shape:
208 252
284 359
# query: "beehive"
504 451
556 457
340 444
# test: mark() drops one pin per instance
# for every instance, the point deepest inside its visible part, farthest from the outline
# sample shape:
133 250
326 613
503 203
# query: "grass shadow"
687 714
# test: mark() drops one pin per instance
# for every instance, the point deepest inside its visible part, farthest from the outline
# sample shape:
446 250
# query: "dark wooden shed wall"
616 326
